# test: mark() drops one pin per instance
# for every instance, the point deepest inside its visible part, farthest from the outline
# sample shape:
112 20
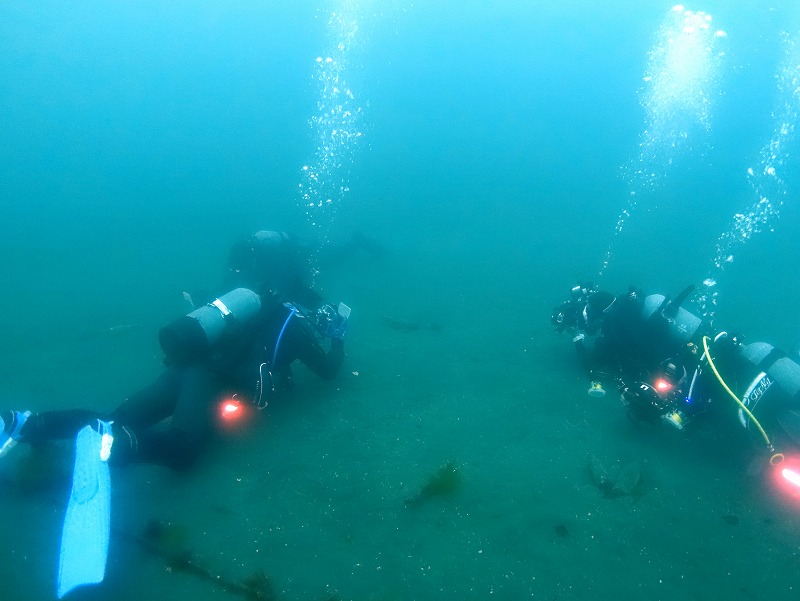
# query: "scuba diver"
290 260
668 368
237 348
627 337
759 380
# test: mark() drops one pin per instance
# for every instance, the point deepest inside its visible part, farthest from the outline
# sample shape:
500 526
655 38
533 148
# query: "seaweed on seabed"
444 481
167 541
258 586
626 482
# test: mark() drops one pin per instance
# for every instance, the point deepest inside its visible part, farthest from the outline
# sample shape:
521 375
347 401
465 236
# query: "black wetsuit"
626 344
189 394
610 346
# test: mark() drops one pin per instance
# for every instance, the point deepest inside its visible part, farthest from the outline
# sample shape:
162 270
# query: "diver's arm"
307 297
303 344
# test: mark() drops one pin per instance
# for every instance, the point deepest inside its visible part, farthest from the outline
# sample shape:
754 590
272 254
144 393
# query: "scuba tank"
191 336
773 384
681 325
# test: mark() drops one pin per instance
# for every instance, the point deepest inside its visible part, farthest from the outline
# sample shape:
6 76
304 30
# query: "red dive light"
662 385
786 476
791 476
230 409
232 413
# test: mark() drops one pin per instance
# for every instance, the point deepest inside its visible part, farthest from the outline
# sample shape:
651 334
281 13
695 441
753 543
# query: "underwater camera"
651 402
657 398
644 402
331 321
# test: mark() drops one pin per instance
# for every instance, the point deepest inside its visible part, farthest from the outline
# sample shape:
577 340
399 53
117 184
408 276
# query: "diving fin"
87 523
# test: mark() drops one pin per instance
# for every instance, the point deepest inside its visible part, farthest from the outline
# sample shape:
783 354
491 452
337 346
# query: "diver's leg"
56 425
151 404
148 406
190 398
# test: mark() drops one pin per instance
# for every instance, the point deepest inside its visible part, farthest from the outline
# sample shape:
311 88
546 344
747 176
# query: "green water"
139 143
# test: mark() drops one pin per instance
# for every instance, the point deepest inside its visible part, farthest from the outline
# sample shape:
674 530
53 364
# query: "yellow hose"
736 398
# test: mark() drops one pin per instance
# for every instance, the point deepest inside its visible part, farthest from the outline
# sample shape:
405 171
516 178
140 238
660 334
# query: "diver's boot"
11 423
125 449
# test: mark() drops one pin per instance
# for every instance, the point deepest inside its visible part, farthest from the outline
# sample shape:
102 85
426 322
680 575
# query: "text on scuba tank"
757 389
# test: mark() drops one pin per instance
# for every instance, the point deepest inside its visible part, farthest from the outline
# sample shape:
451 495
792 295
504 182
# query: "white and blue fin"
87 523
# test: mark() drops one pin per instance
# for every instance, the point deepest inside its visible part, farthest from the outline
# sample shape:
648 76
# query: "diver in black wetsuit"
759 381
627 337
270 261
241 344
667 368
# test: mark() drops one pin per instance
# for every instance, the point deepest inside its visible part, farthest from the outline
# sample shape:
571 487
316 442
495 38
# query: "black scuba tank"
681 324
772 381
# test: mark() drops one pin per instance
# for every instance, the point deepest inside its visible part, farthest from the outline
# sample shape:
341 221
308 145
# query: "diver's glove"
332 321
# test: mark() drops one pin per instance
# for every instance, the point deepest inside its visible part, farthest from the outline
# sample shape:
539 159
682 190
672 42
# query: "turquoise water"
139 141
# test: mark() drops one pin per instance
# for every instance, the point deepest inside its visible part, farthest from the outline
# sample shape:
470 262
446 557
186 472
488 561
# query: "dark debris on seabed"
167 541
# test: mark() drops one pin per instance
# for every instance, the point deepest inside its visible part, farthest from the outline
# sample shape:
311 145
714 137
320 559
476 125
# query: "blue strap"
280 335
